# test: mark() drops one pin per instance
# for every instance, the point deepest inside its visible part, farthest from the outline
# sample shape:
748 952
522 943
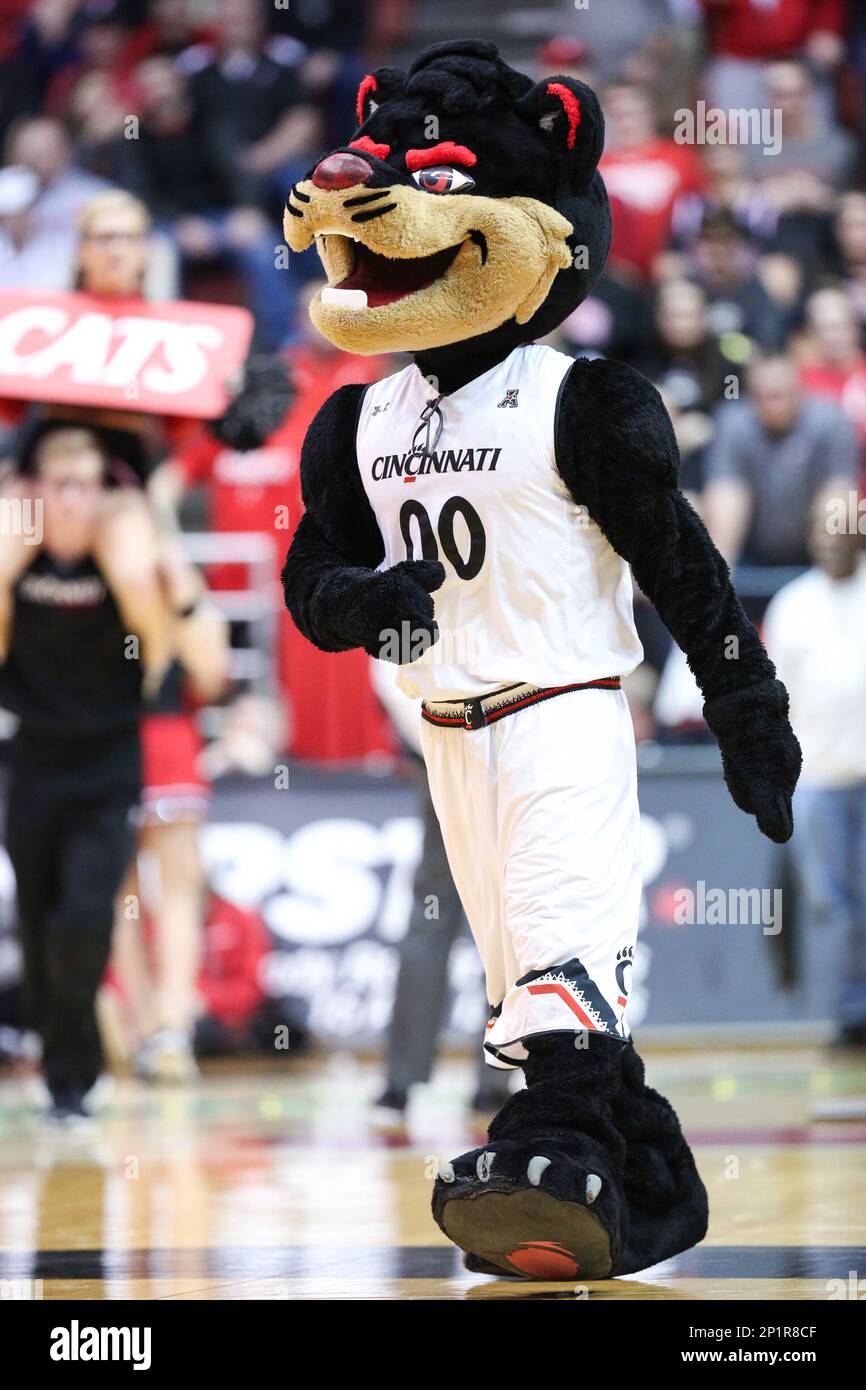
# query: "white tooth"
344 299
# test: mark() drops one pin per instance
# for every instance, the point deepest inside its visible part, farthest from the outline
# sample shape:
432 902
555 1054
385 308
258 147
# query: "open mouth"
384 280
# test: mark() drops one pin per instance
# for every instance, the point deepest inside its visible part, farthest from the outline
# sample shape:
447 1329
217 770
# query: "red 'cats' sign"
169 358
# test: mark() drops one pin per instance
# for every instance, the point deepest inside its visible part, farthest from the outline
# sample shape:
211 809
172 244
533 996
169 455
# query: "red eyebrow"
370 147
446 152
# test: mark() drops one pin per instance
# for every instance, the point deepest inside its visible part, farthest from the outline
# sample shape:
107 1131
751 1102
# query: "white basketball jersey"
533 591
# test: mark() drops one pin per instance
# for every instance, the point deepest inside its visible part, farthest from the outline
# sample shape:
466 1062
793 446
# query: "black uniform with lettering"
73 679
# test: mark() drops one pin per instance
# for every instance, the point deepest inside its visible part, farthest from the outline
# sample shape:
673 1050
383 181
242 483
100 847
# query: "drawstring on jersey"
425 450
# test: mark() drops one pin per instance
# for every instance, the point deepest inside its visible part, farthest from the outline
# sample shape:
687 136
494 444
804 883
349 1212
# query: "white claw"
593 1187
536 1167
446 1172
483 1165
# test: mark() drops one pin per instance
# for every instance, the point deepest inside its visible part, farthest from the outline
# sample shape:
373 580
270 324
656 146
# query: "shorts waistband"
487 709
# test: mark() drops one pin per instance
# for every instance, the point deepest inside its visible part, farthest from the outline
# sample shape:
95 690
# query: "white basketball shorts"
540 820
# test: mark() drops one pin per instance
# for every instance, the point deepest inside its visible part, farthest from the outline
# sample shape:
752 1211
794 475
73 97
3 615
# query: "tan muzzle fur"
526 247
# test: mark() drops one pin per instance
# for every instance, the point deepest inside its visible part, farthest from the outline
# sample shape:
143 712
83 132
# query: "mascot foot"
543 1198
667 1202
585 1174
511 1226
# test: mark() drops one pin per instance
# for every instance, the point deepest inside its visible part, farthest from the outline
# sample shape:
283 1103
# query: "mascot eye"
443 178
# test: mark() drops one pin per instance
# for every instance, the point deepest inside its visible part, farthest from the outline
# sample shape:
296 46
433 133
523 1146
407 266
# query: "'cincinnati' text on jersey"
412 465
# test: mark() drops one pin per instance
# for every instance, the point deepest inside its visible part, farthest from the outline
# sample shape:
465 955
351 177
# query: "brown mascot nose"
342 171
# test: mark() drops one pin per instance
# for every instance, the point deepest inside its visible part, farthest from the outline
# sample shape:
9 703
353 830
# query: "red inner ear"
370 147
368 84
571 106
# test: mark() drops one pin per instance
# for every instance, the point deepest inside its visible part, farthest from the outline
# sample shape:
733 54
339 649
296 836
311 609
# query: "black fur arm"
332 588
259 406
616 451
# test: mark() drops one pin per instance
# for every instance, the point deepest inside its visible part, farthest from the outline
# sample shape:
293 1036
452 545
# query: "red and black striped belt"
486 709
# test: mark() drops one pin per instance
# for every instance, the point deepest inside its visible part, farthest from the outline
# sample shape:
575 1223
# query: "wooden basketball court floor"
265 1183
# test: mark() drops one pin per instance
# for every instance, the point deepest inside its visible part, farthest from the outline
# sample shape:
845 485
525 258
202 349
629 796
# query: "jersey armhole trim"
556 413
365 387
362 396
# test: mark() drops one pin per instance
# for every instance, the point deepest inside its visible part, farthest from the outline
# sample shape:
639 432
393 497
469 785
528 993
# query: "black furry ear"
570 112
375 88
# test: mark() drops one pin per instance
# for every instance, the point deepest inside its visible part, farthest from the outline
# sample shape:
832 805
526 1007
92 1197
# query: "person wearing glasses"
112 260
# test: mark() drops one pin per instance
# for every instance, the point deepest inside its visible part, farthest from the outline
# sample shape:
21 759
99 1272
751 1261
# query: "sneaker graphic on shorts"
577 991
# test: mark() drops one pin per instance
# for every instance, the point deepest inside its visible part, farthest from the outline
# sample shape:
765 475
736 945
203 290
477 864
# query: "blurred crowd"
734 161
736 278
205 111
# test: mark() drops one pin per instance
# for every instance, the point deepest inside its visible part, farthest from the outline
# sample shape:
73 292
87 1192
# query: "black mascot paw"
585 1174
760 753
392 610
260 405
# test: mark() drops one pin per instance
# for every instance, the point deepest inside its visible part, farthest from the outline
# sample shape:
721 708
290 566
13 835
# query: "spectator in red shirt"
336 713
236 942
743 35
645 174
758 29
249 491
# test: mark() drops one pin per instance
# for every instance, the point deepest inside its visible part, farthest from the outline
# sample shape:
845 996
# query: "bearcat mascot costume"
491 501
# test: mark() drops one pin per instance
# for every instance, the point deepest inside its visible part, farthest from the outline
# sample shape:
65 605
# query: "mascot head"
466 208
